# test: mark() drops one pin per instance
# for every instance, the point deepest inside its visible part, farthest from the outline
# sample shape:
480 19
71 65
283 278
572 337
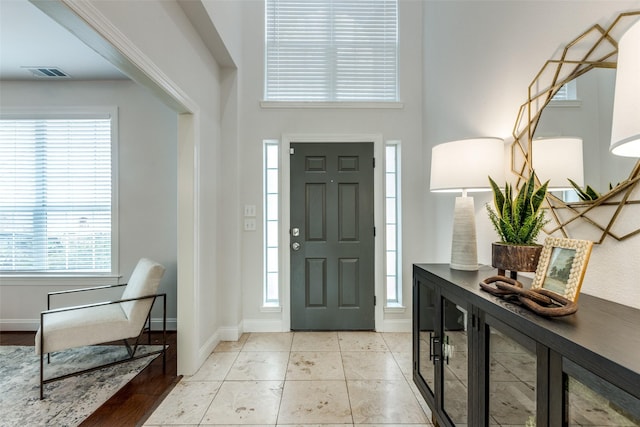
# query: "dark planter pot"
514 258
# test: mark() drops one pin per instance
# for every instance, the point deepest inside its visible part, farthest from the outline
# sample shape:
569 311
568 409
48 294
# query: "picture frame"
562 265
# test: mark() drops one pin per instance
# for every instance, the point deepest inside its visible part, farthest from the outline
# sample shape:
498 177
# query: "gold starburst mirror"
590 56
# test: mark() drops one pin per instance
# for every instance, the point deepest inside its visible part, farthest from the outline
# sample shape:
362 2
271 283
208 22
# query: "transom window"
55 195
331 50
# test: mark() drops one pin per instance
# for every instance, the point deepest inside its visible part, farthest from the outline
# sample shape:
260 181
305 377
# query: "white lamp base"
464 249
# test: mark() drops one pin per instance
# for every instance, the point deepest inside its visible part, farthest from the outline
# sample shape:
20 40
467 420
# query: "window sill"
58 280
271 309
574 103
333 105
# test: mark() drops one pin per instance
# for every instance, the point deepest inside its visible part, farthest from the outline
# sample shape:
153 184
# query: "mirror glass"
587 114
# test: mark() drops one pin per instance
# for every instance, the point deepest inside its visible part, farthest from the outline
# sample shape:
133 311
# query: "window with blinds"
331 50
568 92
55 195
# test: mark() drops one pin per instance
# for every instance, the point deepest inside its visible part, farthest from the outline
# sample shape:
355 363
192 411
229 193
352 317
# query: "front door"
332 236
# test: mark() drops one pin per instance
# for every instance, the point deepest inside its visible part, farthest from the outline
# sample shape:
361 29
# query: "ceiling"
31 39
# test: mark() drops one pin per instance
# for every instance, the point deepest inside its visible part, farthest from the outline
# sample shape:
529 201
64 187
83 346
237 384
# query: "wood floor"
133 404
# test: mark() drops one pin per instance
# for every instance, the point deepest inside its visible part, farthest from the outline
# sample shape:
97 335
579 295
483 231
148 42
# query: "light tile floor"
301 378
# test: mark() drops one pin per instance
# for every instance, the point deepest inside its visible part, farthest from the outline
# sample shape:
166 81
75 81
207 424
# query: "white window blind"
331 50
55 195
568 92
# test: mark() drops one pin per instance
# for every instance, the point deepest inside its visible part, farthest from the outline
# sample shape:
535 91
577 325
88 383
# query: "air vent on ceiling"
47 72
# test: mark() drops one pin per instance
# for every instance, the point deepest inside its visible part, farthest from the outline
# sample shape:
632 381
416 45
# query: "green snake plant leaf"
581 193
507 210
593 194
498 197
537 198
523 201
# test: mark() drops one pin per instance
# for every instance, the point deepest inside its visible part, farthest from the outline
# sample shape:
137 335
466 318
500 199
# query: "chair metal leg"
42 355
149 326
164 334
42 373
130 352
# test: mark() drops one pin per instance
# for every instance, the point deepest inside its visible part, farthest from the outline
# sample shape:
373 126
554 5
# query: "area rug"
67 402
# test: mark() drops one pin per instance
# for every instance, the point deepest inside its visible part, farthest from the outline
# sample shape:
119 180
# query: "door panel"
348 226
349 282
315 212
316 282
332 257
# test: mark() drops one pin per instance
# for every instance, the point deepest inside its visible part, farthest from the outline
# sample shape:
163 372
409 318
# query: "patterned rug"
67 402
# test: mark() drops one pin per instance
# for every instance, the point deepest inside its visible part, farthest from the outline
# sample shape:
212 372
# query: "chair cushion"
85 326
144 281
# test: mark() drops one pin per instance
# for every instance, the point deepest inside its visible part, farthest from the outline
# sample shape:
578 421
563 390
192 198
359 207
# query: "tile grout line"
221 382
284 381
346 383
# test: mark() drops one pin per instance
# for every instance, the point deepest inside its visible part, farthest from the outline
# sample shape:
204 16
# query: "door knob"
295 246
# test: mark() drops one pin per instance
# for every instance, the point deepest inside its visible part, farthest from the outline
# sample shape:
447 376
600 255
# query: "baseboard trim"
225 333
230 333
261 325
205 350
156 324
396 325
19 325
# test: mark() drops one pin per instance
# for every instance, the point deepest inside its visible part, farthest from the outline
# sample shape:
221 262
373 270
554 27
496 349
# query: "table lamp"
625 128
556 159
464 166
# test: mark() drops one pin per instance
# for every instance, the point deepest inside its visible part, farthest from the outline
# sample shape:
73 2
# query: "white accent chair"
122 319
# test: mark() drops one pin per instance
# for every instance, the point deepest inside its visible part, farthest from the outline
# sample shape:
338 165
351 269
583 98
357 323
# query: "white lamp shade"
467 164
556 159
625 129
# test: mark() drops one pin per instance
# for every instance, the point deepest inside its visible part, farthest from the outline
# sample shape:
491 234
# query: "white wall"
146 176
226 16
480 57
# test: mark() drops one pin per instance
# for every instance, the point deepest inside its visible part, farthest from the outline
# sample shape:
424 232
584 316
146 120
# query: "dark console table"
481 361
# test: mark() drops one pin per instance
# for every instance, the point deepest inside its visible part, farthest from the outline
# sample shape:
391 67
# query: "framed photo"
562 265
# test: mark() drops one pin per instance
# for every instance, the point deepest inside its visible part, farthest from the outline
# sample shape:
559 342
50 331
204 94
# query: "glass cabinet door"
592 401
512 380
455 362
426 333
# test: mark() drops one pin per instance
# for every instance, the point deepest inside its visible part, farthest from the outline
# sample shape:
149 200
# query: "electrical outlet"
249 224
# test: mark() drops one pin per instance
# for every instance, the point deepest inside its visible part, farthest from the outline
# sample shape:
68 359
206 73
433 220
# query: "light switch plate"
249 210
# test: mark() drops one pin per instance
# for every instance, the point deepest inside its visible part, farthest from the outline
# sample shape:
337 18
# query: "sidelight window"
271 221
392 224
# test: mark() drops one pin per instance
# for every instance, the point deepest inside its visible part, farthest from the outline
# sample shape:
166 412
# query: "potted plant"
518 220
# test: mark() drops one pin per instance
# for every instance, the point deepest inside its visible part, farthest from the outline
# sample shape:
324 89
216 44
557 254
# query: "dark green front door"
332 236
